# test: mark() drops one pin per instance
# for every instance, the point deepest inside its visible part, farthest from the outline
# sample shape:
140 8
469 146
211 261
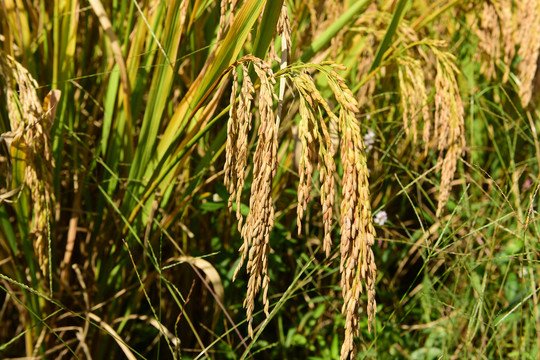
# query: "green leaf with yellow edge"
201 89
264 34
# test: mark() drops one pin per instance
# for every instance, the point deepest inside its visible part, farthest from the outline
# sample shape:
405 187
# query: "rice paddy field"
285 179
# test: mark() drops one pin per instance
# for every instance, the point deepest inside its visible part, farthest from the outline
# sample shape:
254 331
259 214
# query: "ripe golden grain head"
238 127
307 159
314 134
490 29
314 131
284 29
449 122
505 26
357 232
230 177
224 20
414 99
260 220
528 38
30 127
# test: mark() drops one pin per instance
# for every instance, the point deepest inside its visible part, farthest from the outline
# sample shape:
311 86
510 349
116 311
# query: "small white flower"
523 273
380 218
369 139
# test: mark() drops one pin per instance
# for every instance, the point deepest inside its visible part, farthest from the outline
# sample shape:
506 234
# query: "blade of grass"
7 230
265 31
125 94
389 35
160 89
227 52
325 38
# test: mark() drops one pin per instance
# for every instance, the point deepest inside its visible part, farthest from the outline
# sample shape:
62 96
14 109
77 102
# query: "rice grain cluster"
357 266
30 151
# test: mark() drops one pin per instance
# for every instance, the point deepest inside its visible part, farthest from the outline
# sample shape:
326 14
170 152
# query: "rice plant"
313 179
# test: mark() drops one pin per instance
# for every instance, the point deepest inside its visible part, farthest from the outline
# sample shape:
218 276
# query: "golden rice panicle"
367 38
414 99
307 160
327 166
306 86
528 35
284 29
314 97
314 133
260 220
230 176
30 139
496 40
238 128
449 122
342 92
321 20
308 135
357 233
334 10
224 20
326 178
245 118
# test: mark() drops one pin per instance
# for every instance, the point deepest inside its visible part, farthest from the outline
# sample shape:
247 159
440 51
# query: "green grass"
139 202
